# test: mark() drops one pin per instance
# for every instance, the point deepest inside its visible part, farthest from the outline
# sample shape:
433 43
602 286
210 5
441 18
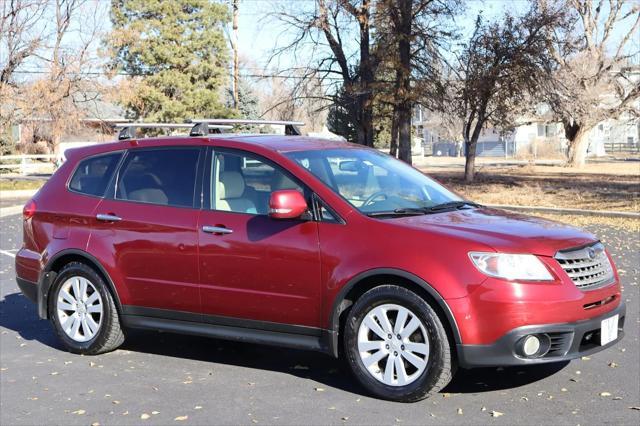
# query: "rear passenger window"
93 174
159 176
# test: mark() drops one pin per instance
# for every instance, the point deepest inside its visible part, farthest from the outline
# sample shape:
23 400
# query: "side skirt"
248 331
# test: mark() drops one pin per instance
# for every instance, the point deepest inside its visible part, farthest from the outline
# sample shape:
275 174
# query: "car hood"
503 231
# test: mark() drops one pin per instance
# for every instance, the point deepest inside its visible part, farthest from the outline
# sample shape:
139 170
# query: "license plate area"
608 330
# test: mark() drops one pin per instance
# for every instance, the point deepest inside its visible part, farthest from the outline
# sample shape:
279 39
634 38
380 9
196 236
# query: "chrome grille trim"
588 267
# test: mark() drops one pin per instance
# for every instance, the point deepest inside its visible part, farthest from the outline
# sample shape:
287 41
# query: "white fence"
27 164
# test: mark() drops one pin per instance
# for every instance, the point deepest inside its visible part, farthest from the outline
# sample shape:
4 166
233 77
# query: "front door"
253 267
148 228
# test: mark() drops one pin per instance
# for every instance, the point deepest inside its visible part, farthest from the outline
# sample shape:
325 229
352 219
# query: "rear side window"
159 176
93 174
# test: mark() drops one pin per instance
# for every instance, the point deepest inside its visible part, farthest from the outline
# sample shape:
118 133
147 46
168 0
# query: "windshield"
373 182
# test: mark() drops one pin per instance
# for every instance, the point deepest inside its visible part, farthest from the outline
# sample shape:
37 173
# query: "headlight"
511 266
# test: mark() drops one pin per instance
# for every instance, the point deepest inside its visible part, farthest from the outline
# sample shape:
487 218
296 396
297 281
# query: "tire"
414 383
89 340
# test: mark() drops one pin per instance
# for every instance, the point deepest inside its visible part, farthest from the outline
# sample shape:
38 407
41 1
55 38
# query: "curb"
17 193
561 210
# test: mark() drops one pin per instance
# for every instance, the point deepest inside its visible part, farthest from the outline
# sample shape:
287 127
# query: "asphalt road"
169 379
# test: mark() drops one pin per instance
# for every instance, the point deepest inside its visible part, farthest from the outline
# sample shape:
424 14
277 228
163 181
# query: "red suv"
312 244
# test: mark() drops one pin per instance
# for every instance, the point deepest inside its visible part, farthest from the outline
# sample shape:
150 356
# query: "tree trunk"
470 162
403 74
365 95
393 150
577 155
234 43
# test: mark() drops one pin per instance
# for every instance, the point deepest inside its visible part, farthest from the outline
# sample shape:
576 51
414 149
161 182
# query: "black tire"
110 335
438 371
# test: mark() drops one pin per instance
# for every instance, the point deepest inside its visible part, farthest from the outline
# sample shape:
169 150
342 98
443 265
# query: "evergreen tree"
177 53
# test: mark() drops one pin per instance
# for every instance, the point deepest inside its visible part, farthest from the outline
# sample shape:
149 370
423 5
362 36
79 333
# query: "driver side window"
243 183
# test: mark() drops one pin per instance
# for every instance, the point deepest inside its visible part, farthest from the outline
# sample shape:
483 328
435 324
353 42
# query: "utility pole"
234 42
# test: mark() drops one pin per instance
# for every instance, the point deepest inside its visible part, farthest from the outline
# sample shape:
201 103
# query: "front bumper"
571 340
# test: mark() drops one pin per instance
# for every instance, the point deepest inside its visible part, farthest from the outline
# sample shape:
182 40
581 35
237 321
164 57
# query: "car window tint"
93 174
159 176
243 184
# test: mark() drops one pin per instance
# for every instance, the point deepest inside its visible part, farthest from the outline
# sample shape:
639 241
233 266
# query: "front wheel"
83 312
396 345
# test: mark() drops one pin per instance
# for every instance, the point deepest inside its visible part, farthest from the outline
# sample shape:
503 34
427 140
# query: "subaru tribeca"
311 244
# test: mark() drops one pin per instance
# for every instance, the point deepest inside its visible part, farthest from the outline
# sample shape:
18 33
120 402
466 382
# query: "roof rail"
200 126
128 130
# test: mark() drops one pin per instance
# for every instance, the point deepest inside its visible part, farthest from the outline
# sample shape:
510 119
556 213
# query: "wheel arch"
56 263
367 280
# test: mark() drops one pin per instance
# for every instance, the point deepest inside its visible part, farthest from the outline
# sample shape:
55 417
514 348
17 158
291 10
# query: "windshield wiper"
450 206
415 211
407 211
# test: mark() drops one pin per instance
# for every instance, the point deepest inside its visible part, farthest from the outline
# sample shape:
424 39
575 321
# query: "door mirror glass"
287 204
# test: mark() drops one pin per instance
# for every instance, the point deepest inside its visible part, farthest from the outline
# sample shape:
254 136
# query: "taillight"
29 210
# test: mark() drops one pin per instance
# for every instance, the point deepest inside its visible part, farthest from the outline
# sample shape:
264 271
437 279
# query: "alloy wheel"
79 309
393 344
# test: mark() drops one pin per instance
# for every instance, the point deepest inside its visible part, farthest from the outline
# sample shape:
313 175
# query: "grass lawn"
600 186
8 184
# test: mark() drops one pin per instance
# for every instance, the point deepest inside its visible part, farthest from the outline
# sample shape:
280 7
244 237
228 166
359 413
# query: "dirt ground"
601 185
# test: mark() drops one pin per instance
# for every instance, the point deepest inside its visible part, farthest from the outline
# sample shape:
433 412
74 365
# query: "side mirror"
287 204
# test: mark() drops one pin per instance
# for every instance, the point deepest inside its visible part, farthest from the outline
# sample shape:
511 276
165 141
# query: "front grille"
588 267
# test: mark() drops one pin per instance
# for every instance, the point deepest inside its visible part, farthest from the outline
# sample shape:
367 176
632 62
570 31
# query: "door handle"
216 230
108 218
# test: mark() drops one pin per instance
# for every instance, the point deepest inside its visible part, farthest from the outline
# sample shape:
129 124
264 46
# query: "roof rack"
200 126
128 130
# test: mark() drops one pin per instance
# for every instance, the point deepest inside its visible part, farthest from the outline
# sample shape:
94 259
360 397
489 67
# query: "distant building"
538 137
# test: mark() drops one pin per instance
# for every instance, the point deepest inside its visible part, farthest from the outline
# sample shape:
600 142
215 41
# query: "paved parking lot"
168 379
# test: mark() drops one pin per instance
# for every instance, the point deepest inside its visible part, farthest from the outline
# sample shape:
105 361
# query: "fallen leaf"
92 364
54 373
563 390
496 414
524 398
585 358
345 418
115 402
613 364
460 411
155 412
198 407
446 395
483 409
78 412
95 424
634 408
617 398
605 394
319 389
144 416
181 418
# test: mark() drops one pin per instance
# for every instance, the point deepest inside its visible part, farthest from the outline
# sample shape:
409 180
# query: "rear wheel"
396 345
83 312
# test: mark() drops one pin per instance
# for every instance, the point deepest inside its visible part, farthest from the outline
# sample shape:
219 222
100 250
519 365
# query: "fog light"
531 345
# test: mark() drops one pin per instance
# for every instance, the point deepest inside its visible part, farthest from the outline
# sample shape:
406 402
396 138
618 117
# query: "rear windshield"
93 174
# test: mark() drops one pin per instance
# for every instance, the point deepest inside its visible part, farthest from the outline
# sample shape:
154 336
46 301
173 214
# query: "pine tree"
178 56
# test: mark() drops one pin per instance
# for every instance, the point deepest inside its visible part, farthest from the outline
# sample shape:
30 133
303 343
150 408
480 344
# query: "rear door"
253 267
147 230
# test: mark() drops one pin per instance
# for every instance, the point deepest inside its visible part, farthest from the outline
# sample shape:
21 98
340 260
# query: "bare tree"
20 37
592 82
321 34
415 31
502 64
